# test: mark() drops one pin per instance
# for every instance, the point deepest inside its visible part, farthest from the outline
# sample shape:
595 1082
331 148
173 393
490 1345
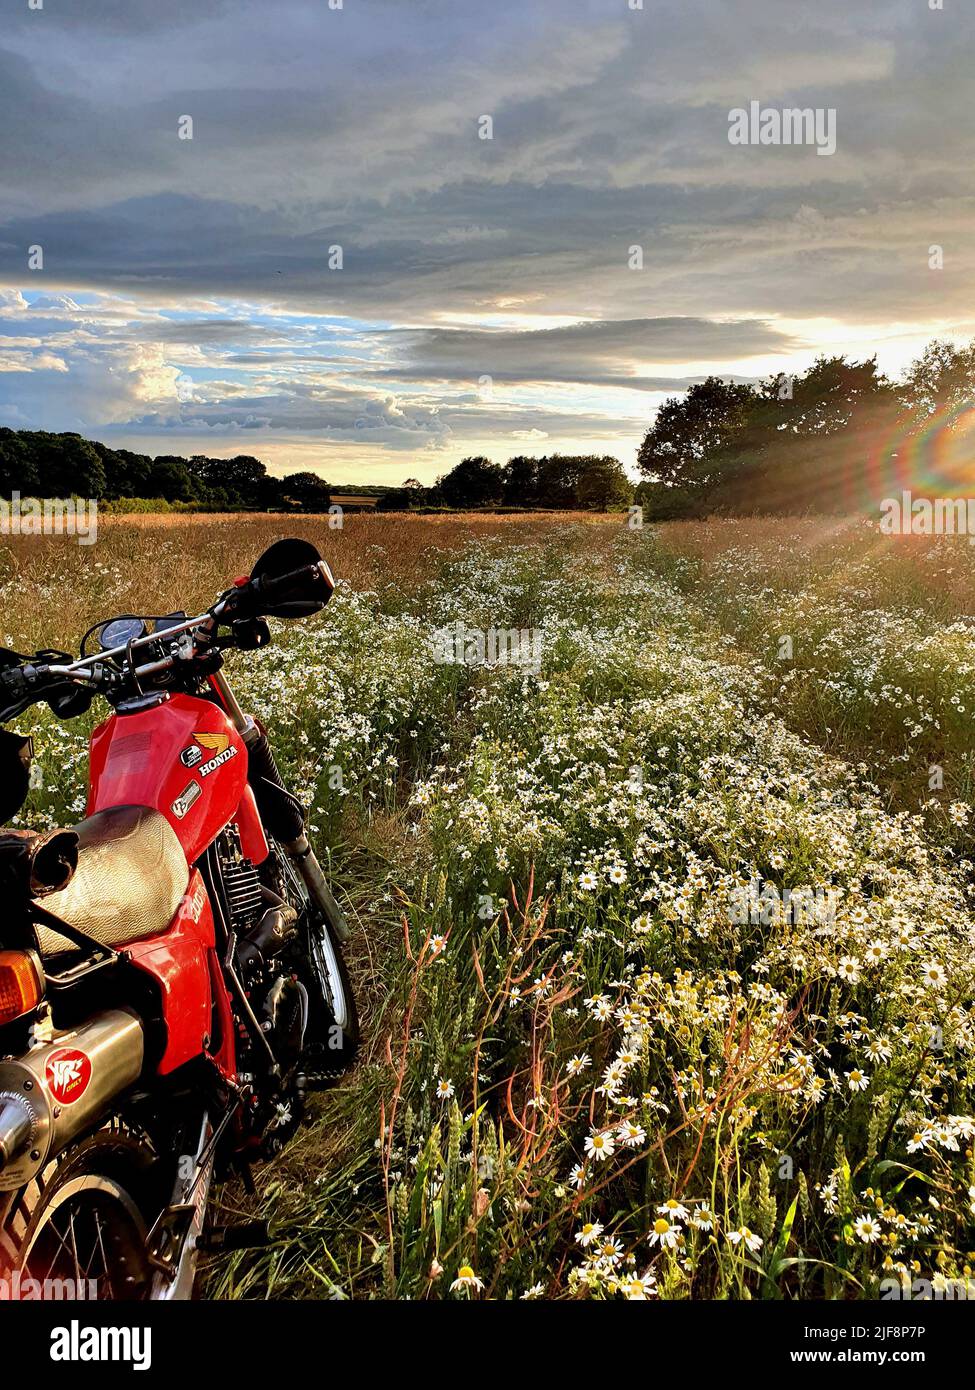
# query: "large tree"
603 485
126 474
475 482
18 465
240 480
680 445
306 491
170 477
832 396
521 481
559 476
65 465
940 381
807 441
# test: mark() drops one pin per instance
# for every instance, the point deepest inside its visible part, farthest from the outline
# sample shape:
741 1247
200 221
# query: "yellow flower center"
465 1272
661 1226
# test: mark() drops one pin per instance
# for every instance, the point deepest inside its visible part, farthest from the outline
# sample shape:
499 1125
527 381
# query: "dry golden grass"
53 588
838 555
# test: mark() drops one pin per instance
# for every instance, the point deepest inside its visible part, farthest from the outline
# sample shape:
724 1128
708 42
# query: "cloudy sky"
487 299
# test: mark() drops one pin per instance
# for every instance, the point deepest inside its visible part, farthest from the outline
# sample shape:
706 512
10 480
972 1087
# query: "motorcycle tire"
85 1218
333 1036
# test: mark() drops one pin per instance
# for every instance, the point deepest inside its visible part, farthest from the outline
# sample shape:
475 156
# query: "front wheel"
332 1034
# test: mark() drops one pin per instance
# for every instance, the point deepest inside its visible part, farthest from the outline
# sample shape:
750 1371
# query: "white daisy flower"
466 1279
748 1238
600 1146
590 1232
867 1229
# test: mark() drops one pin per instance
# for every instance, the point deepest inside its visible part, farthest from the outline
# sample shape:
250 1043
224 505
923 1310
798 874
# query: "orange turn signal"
21 987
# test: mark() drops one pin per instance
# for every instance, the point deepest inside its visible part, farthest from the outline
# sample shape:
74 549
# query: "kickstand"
246 1235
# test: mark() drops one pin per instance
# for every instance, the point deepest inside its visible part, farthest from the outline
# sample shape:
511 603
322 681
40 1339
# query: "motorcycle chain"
323 1080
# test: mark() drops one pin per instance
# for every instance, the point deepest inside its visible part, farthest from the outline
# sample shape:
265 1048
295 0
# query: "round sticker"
68 1073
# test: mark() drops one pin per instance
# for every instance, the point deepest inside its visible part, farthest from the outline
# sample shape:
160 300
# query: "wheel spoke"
74 1247
101 1245
63 1248
67 1233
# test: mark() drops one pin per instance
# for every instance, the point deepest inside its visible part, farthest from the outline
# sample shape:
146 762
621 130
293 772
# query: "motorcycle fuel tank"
182 756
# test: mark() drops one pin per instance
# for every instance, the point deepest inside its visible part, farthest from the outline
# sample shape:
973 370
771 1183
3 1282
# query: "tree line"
833 439
559 482
36 463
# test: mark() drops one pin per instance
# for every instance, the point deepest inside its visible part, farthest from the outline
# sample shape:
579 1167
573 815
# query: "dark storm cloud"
115 17
358 127
583 352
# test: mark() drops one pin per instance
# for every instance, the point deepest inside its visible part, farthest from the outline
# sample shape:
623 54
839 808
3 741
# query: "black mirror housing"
292 579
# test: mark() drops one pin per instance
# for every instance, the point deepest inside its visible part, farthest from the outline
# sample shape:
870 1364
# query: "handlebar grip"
14 681
280 584
272 585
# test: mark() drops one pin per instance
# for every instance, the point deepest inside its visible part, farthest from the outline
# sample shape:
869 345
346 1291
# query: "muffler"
59 1089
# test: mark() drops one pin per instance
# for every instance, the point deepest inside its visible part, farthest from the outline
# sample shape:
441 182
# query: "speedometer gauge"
119 632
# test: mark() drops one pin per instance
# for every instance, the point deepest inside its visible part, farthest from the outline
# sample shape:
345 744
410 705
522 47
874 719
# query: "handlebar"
300 592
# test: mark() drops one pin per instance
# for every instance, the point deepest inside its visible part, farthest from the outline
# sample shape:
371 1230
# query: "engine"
241 883
265 926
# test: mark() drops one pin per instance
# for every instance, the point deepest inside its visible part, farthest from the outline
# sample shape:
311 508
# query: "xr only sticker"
186 799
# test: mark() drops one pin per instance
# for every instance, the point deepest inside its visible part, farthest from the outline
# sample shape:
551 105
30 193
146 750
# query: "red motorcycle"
171 972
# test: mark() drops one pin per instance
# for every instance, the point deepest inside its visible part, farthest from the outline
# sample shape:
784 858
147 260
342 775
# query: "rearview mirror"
311 588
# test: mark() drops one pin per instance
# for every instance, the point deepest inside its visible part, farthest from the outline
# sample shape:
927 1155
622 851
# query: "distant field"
351 499
665 948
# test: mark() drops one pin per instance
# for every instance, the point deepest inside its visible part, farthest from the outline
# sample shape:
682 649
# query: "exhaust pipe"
59 1089
15 1131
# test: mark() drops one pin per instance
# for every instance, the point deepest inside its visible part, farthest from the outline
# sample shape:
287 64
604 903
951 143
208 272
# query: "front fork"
298 850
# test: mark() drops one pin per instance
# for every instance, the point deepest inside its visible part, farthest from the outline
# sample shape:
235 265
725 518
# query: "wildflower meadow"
662 905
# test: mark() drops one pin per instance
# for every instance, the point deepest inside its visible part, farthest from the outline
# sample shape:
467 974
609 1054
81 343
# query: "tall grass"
588 1070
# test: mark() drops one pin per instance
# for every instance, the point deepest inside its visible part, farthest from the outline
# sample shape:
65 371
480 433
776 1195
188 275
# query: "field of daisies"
663 924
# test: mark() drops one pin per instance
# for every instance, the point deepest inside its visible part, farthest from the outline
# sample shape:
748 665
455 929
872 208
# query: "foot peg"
247 1235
